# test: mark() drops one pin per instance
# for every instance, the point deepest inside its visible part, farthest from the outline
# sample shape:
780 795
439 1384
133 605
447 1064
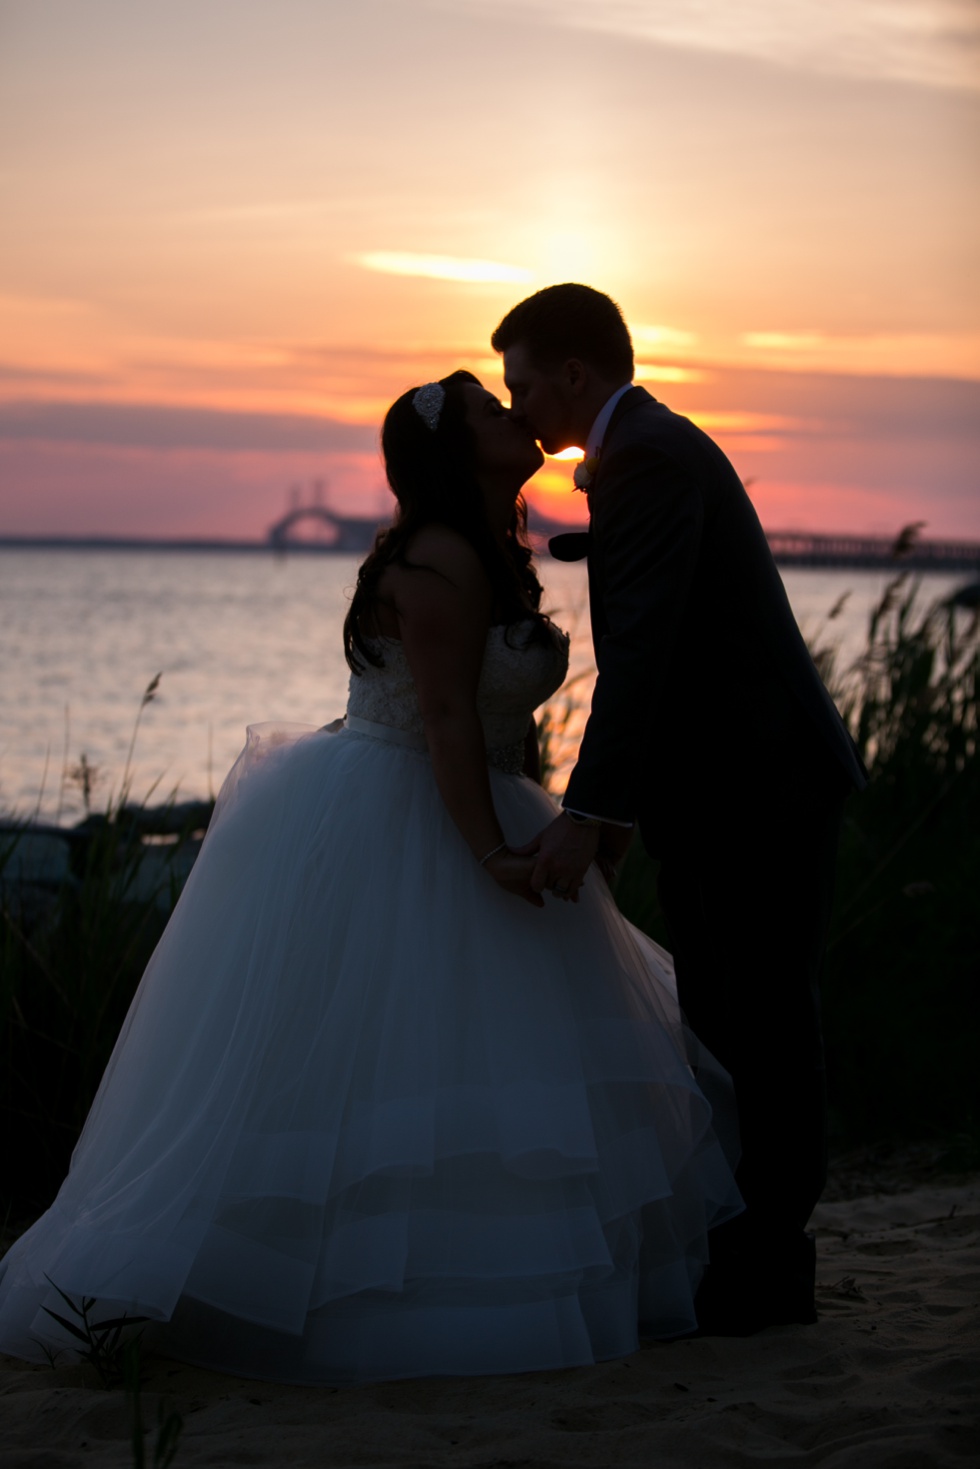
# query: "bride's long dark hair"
433 476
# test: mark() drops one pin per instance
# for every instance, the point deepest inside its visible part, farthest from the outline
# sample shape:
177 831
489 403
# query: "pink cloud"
79 490
845 453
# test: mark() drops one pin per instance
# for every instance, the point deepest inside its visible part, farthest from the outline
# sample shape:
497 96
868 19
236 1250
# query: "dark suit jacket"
704 678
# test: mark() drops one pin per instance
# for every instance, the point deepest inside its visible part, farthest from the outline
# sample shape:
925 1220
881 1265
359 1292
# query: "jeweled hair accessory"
428 403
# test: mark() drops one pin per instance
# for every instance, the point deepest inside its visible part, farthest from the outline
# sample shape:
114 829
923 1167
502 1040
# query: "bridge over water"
790 548
336 532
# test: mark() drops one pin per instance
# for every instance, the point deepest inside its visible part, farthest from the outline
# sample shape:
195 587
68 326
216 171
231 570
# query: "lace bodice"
516 677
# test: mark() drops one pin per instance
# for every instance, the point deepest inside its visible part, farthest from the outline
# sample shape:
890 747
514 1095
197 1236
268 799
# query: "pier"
800 548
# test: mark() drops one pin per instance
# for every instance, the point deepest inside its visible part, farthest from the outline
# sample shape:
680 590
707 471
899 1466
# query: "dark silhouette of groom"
711 729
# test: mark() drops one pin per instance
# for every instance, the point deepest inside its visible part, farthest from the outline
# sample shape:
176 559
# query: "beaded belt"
508 758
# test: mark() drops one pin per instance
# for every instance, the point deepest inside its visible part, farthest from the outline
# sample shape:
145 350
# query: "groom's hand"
564 851
513 873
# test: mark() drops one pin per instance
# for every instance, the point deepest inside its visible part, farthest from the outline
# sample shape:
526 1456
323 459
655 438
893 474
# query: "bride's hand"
513 874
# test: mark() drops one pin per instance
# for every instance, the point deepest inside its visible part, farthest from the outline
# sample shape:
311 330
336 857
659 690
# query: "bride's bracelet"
493 853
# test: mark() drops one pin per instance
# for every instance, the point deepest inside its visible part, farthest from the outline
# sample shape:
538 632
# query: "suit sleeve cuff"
593 816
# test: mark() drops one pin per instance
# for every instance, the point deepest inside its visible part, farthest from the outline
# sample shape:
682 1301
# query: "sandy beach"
888 1377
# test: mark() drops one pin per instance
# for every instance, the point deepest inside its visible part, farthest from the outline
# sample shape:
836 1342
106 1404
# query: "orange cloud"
443 267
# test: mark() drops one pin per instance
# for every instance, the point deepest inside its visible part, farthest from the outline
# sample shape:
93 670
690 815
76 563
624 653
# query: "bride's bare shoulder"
439 549
442 548
438 579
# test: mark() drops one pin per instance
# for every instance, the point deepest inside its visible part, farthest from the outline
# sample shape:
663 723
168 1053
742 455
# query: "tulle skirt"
371 1117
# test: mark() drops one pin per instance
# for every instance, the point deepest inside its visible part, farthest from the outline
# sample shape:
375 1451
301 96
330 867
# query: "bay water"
238 638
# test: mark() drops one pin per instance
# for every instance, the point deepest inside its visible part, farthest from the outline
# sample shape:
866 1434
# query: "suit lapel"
627 403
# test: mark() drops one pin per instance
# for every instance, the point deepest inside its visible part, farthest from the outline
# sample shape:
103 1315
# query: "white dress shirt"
598 430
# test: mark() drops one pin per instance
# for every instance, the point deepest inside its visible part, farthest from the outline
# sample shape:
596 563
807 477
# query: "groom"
711 730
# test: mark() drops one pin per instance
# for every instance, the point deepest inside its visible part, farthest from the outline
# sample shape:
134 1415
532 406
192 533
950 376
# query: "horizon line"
789 547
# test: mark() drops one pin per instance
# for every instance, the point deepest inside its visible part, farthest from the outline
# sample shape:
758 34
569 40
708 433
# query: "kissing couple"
401 1093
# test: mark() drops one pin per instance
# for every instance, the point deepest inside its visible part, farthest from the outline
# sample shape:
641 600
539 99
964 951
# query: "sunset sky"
233 230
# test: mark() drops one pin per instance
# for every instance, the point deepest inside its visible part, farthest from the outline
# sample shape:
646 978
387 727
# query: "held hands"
563 854
558 858
513 873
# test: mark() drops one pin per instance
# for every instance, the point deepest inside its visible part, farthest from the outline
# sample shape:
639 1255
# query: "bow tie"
573 545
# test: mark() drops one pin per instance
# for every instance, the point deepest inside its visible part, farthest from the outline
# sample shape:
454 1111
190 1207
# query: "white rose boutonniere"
585 472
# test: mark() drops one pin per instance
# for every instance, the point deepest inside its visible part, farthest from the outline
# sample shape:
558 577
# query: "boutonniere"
585 471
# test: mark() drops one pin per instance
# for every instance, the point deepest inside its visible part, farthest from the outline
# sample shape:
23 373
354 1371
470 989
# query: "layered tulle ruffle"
372 1117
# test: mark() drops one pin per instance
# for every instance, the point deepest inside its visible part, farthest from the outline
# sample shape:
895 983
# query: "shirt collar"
597 432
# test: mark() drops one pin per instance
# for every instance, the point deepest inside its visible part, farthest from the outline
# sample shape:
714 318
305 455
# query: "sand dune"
887 1379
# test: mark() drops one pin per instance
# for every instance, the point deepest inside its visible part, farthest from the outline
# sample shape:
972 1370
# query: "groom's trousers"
746 887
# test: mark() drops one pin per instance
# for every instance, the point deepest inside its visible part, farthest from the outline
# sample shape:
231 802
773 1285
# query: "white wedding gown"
372 1117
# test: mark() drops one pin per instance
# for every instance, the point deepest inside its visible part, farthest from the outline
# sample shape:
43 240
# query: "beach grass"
70 963
901 984
71 956
902 987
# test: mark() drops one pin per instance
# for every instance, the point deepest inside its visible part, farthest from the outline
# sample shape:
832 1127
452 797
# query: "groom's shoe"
752 1288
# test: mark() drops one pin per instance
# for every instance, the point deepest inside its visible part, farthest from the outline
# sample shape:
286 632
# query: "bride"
379 1109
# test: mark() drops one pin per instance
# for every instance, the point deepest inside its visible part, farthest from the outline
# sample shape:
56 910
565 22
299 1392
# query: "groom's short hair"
569 321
